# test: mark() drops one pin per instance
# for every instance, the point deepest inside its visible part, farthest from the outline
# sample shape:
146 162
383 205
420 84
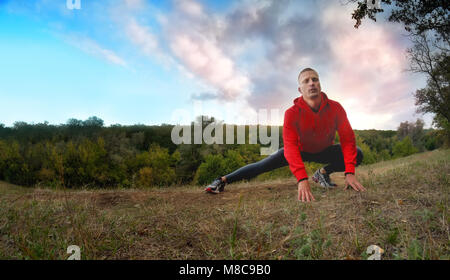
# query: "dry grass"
405 212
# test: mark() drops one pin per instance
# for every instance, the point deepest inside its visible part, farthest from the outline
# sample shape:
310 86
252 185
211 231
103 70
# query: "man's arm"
348 145
294 158
292 147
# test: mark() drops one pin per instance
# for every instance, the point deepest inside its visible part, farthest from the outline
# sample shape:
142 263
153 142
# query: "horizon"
128 62
163 124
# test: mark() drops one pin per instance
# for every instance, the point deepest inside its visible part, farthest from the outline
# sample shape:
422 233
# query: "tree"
412 130
428 24
93 121
145 177
232 161
418 17
369 156
404 148
434 61
210 169
74 122
432 140
156 166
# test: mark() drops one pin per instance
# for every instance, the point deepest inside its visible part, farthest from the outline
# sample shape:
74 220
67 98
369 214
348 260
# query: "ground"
404 211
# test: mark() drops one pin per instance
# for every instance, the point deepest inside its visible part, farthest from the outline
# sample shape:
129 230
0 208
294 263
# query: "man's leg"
334 157
331 155
274 161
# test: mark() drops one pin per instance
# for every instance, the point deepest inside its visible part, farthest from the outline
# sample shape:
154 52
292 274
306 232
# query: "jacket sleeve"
347 139
292 146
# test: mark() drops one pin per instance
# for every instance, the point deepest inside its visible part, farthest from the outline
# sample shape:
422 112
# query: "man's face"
309 85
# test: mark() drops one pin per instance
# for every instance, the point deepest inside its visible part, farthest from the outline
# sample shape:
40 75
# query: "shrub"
145 177
403 148
212 168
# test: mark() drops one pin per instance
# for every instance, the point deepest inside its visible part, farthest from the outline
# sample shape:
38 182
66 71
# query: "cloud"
142 37
247 55
271 43
199 52
368 66
134 4
250 53
204 96
91 47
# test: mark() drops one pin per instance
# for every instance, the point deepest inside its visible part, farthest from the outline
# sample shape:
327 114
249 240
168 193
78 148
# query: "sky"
153 62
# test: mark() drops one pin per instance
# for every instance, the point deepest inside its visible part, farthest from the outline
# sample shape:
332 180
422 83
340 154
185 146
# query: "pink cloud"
363 68
368 67
197 49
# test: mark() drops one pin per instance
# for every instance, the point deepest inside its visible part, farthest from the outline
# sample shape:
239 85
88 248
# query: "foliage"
414 131
210 169
87 154
416 16
427 23
404 148
434 61
369 157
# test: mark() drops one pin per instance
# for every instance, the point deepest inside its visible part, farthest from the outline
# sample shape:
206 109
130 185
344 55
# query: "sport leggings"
332 156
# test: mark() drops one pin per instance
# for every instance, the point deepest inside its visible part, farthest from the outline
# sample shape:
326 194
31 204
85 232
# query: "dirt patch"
105 200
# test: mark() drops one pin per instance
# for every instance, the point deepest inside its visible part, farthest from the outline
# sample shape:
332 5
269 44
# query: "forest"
87 154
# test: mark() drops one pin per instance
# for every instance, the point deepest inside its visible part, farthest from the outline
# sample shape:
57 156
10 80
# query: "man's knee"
359 156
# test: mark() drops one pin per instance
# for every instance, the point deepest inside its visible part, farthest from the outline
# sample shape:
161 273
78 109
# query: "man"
309 130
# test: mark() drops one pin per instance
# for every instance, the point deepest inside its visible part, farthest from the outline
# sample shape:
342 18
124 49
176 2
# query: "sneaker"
323 179
216 186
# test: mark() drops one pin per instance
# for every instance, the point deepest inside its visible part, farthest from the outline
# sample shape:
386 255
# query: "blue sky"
153 62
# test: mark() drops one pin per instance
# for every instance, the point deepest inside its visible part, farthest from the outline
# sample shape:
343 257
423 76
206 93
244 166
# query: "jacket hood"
301 103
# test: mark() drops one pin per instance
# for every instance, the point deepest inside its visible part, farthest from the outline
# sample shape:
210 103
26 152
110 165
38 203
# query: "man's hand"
350 180
304 192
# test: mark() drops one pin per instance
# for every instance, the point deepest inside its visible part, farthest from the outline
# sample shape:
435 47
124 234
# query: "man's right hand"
304 191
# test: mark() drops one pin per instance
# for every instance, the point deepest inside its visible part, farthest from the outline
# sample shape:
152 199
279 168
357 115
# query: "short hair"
306 70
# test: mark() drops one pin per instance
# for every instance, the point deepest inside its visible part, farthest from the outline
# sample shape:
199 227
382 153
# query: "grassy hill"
405 211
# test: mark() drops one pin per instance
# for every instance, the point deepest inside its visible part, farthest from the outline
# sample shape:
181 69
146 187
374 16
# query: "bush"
232 161
212 168
369 156
145 177
404 148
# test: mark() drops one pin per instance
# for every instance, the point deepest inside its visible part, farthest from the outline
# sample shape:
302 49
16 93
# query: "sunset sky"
150 62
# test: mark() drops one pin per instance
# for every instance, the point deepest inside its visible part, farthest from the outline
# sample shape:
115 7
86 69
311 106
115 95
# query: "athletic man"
309 130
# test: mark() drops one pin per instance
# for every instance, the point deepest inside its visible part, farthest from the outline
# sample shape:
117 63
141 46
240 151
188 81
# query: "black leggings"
332 156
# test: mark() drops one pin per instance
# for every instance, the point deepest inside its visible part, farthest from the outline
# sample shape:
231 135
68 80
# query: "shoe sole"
209 190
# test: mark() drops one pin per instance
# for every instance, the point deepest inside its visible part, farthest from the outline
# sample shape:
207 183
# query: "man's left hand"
350 180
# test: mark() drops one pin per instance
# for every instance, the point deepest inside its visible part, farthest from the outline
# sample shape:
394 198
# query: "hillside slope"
405 211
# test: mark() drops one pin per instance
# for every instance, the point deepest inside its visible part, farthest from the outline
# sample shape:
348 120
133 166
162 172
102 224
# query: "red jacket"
307 131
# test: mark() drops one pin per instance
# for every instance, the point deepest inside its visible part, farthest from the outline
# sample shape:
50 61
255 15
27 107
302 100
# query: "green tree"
435 96
232 161
145 177
414 131
93 122
12 164
157 166
404 148
369 156
86 163
211 168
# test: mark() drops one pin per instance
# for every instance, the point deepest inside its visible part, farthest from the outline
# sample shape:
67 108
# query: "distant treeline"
88 154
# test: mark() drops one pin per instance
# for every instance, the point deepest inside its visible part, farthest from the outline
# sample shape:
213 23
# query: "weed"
392 236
